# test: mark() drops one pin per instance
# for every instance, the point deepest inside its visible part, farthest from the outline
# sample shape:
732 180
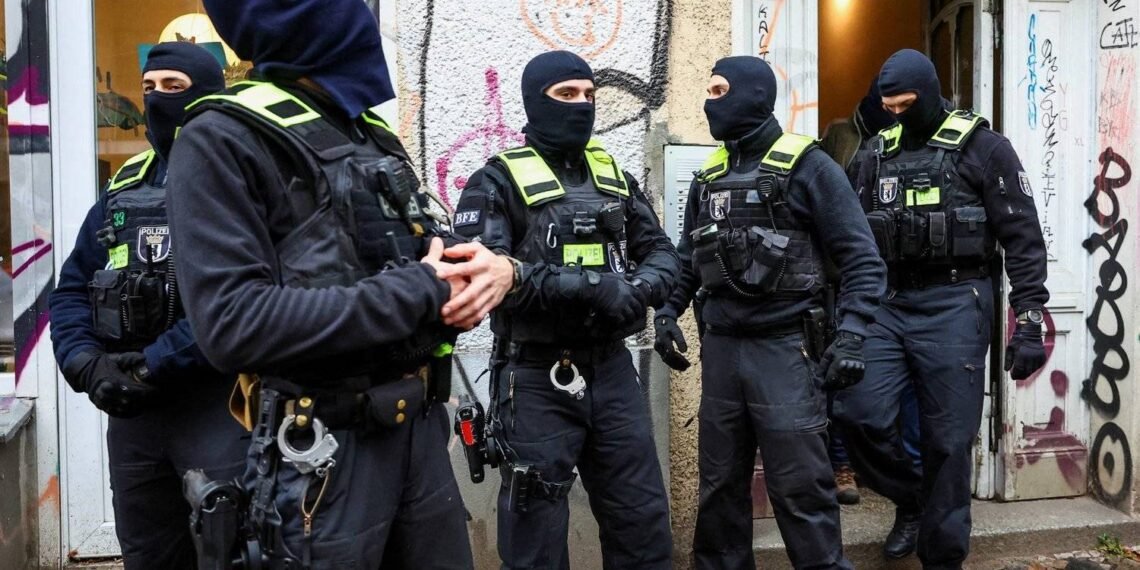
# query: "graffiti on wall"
460 91
797 72
30 179
1110 470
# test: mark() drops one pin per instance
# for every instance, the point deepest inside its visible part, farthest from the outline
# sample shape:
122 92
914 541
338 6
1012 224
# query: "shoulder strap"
715 166
956 129
533 178
786 153
888 141
608 177
133 171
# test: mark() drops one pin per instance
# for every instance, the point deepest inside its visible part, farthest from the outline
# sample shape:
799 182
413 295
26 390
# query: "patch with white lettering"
888 189
468 218
720 204
156 241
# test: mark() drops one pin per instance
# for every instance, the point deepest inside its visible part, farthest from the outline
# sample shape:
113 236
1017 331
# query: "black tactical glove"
111 390
134 364
842 364
617 302
1025 352
667 334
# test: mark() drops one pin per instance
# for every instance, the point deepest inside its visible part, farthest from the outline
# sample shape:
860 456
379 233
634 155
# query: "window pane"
965 59
941 54
124 30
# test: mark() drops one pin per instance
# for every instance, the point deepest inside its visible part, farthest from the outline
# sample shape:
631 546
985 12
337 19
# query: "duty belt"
773 330
924 276
547 353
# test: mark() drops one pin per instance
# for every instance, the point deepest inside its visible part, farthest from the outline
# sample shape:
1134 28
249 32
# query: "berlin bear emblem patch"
156 240
720 204
888 189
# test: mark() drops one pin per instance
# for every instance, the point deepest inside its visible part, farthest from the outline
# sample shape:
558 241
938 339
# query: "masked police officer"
119 334
302 221
591 257
764 210
942 190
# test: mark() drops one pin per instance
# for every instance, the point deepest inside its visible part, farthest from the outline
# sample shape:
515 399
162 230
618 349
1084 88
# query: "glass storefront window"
124 31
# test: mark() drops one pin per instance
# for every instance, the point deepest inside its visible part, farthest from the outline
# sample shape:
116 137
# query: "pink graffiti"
494 135
1054 440
40 247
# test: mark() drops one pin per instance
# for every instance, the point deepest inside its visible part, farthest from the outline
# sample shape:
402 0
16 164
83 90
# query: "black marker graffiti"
1110 363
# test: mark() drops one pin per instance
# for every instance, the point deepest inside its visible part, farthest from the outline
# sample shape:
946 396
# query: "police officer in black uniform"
302 222
762 213
942 190
120 336
591 257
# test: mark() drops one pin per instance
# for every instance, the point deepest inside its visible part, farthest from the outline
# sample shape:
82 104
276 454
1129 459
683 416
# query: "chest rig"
135 297
748 243
357 211
576 225
920 210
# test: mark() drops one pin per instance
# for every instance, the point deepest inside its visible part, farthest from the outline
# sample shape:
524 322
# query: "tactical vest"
580 225
747 242
135 297
920 209
360 211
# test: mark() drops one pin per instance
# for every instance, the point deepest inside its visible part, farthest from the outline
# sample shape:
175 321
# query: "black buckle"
584 224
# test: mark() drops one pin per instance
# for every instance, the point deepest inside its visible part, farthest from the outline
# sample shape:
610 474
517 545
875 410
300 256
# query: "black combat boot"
904 535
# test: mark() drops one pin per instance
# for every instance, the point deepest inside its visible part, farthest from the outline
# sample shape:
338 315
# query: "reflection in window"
124 32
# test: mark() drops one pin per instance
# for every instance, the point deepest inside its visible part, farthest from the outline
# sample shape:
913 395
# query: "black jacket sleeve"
649 246
227 197
72 330
688 281
990 165
825 198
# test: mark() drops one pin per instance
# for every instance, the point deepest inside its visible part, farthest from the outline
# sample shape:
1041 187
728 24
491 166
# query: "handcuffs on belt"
318 457
576 387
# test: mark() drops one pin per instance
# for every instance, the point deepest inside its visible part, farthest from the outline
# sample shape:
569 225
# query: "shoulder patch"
1023 181
467 217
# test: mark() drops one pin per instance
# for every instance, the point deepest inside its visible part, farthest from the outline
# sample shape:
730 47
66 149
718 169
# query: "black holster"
218 525
817 332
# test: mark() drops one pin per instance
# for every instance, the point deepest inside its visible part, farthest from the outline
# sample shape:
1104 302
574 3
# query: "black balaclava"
165 111
910 71
870 116
336 43
556 125
750 99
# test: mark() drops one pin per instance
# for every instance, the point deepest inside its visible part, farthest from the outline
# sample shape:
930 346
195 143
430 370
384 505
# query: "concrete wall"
19 521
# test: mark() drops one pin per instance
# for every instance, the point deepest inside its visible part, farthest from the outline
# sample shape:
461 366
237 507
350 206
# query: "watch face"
1035 316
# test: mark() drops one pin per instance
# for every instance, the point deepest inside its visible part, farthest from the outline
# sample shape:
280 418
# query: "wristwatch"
1035 316
517 275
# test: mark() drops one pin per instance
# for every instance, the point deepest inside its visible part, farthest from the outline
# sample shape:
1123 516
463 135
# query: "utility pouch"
146 306
107 290
817 332
768 259
706 256
939 236
521 479
970 234
913 230
392 404
885 230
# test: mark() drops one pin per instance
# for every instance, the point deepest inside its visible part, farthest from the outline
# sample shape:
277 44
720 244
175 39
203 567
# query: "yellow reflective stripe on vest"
715 166
891 138
373 118
533 177
261 97
132 171
786 151
607 176
955 128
